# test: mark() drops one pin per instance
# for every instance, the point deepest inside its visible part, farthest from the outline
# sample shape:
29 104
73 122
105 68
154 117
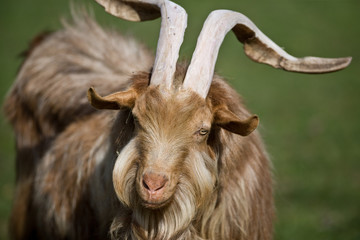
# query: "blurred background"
310 123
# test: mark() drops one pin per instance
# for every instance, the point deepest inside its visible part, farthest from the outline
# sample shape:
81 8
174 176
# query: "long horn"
257 46
173 25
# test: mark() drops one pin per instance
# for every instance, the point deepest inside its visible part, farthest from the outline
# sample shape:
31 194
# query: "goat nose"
154 182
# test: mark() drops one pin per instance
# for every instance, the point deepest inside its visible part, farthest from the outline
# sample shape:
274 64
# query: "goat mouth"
155 198
155 204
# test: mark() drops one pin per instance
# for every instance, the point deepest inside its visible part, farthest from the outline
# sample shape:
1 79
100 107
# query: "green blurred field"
310 123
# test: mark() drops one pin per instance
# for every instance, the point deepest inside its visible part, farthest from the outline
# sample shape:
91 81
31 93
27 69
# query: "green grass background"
310 123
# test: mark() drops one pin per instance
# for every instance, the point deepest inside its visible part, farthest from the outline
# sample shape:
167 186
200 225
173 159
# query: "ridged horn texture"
257 46
173 25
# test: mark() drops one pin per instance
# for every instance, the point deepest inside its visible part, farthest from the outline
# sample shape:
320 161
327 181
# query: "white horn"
173 25
257 46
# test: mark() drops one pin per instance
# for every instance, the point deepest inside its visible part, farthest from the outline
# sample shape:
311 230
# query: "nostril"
153 182
145 185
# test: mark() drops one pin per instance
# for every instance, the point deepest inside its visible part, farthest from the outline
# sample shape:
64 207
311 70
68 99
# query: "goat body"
178 159
67 152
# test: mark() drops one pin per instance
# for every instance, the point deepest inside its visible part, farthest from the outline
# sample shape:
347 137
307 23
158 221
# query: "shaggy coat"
78 169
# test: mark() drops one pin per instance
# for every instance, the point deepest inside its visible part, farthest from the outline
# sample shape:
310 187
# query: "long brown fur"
72 160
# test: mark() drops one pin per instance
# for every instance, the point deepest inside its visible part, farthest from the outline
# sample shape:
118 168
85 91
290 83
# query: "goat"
179 158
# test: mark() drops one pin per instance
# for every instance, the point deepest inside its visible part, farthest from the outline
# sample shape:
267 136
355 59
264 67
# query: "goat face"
171 150
170 160
169 154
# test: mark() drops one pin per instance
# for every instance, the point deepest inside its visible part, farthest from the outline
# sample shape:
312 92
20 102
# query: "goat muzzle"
154 189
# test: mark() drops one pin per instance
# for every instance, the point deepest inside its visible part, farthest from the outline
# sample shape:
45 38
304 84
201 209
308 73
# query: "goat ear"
229 121
114 101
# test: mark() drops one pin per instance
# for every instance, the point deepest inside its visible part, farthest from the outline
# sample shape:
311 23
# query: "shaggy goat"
177 160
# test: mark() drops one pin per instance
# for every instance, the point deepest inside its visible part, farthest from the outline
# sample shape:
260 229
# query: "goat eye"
203 132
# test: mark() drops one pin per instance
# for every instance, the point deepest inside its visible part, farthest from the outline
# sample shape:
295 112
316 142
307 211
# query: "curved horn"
173 25
257 46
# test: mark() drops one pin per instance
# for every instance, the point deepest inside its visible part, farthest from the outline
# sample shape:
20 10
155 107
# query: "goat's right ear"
113 101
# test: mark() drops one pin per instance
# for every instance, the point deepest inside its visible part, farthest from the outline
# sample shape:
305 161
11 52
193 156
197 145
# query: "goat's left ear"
228 120
113 101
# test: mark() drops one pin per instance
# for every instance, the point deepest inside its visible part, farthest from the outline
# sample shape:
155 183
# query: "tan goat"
177 160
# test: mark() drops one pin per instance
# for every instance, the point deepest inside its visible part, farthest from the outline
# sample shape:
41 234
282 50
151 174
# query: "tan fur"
79 171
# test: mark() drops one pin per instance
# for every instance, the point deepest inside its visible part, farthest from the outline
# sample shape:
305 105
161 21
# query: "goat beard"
194 194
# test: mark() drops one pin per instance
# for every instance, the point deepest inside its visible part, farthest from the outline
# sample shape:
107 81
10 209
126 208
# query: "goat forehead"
172 111
171 106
